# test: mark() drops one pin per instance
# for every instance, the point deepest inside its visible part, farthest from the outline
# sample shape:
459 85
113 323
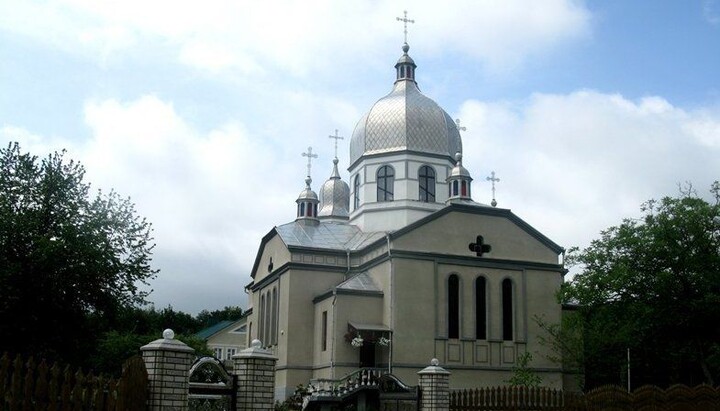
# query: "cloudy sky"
199 110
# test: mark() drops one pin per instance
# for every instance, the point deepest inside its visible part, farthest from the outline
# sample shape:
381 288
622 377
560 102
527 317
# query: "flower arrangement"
357 342
384 341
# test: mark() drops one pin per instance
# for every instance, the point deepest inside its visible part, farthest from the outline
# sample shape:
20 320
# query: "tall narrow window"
507 309
324 331
480 309
385 183
261 319
274 325
266 321
426 180
453 307
464 188
454 188
356 192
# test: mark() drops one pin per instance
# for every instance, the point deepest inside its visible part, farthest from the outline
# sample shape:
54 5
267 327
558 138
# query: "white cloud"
574 164
299 37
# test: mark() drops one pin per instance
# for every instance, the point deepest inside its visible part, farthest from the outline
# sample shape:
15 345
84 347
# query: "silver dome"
307 193
403 120
334 196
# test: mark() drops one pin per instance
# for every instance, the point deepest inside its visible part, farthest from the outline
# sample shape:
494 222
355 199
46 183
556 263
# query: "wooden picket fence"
32 385
606 398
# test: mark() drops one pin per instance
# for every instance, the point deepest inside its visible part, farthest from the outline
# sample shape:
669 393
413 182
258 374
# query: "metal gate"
212 388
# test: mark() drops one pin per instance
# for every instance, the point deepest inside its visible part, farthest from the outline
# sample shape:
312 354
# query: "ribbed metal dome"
403 120
307 193
334 196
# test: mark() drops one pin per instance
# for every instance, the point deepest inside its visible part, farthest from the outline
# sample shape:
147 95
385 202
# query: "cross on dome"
336 137
405 21
457 123
310 156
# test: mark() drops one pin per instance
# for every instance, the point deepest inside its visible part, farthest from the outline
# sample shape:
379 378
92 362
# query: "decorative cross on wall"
336 137
310 156
405 22
479 247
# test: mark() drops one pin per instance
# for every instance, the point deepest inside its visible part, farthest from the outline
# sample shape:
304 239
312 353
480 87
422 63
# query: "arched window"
385 183
426 181
302 209
266 322
261 319
507 309
454 188
273 331
453 307
356 192
464 188
480 309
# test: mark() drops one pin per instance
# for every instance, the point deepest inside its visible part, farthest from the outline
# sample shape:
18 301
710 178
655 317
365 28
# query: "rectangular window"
230 353
218 352
324 331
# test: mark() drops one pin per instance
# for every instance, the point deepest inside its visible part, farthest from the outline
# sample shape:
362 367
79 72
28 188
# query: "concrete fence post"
255 371
168 364
434 387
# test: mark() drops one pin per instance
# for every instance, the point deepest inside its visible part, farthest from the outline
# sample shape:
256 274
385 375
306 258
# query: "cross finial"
405 21
336 137
310 156
493 179
457 122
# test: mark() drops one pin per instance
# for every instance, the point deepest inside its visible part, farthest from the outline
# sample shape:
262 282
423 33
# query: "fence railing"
363 377
646 398
35 385
514 398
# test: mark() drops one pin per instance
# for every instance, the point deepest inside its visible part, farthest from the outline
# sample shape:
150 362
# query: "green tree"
209 318
523 375
69 259
653 285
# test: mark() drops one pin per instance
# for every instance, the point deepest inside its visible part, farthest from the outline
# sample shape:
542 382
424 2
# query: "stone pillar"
255 371
434 387
168 365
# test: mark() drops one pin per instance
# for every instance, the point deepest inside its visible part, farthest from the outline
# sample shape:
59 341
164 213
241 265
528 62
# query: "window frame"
387 187
453 306
429 180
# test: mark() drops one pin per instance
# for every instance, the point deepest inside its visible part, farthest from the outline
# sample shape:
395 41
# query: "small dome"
459 170
307 193
404 120
334 196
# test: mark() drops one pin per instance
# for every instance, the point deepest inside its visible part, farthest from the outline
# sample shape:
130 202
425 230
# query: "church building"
401 265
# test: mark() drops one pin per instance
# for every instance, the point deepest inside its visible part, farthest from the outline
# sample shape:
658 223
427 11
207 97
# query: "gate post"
434 387
255 371
167 361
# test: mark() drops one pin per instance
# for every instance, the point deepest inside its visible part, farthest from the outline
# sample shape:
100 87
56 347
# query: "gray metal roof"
327 235
359 282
